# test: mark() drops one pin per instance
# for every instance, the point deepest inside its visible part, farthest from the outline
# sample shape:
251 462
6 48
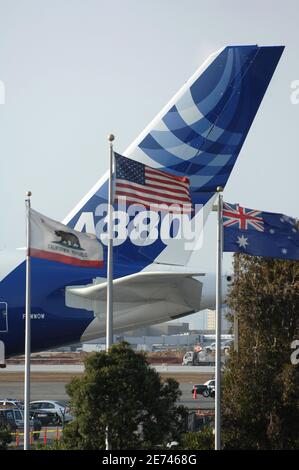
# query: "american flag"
244 219
136 183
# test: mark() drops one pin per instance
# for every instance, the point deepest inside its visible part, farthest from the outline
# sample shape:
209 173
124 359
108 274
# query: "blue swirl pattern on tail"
198 134
202 133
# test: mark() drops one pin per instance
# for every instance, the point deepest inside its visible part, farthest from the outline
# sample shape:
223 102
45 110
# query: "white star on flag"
284 251
242 241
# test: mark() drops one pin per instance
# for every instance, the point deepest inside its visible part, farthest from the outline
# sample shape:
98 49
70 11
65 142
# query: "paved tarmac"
79 368
52 390
48 382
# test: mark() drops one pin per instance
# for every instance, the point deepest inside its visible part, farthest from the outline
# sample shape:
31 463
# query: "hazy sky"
76 70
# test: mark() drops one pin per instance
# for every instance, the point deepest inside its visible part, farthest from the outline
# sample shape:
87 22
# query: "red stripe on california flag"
65 259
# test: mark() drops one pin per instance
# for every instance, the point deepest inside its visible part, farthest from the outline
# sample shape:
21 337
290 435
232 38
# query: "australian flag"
259 233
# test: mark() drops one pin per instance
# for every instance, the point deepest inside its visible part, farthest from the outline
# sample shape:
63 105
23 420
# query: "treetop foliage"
261 386
120 392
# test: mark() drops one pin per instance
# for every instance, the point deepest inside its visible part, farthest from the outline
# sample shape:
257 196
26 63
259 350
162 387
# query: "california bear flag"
52 240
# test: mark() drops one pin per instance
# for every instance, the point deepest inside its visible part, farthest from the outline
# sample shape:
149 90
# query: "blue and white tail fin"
199 133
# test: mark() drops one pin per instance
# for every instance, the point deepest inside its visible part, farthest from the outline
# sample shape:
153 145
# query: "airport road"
49 384
53 390
79 368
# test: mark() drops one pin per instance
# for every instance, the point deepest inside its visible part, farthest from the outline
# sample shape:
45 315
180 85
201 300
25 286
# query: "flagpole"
218 321
109 312
27 328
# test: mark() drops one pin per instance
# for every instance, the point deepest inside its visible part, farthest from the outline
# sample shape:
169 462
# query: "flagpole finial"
28 194
219 189
111 137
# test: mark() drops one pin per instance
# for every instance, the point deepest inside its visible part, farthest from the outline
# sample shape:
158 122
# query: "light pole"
27 328
218 321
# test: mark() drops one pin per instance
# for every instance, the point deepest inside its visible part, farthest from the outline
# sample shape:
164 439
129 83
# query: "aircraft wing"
172 293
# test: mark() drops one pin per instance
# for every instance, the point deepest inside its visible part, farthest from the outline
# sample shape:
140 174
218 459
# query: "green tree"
120 390
203 440
5 437
260 399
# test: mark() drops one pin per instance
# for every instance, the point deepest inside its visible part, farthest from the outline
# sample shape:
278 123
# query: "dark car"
43 416
11 417
211 387
201 389
59 413
14 419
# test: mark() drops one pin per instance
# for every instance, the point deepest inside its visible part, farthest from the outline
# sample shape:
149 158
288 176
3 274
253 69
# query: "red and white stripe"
159 188
65 259
46 241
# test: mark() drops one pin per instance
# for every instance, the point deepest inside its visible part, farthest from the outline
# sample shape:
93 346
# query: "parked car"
212 347
207 389
12 402
211 387
60 413
45 417
227 345
201 389
210 383
14 419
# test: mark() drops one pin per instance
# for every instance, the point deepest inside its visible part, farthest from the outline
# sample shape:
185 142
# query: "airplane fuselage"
58 319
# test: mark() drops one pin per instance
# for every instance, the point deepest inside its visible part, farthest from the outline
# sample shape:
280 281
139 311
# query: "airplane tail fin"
198 134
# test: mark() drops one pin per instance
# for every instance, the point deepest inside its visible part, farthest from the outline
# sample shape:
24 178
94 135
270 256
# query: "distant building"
211 321
169 328
199 321
206 321
93 346
147 343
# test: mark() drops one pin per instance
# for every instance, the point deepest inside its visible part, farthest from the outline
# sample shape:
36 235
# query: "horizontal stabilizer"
167 294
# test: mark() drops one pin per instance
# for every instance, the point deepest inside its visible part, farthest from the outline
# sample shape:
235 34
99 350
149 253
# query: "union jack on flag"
244 219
